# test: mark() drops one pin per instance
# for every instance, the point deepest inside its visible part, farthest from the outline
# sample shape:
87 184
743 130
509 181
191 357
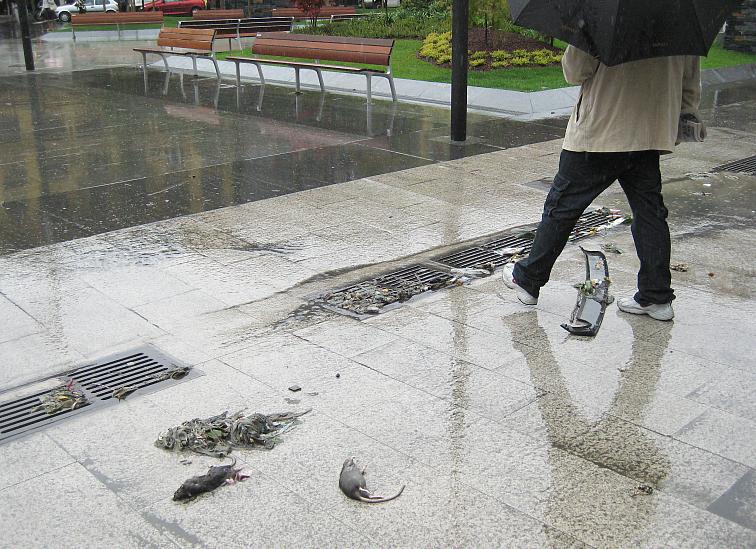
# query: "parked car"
379 3
91 6
175 7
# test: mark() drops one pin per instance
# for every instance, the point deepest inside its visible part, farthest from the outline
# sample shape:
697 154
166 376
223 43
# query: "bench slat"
352 53
388 42
115 18
186 43
218 14
297 64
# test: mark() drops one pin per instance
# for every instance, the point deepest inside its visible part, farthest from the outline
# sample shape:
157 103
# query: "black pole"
23 17
459 70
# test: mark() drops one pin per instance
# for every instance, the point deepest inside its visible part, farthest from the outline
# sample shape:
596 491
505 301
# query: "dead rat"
352 483
216 476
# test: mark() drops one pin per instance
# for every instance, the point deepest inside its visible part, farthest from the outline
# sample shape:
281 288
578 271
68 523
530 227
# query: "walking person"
626 116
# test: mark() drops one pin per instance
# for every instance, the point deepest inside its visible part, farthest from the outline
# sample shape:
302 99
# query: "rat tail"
381 499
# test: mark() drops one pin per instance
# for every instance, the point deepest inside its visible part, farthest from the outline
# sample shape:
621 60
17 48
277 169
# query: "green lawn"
407 65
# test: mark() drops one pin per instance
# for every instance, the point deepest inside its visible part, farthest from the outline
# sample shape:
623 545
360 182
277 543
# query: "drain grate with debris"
144 369
744 165
371 296
375 295
497 253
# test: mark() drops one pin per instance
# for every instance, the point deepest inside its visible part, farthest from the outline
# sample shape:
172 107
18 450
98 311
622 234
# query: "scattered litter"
702 193
61 399
509 251
628 220
218 435
123 392
371 296
215 477
593 296
530 235
295 388
611 247
312 394
679 267
642 490
711 275
352 482
175 373
292 400
623 369
469 272
698 176
338 375
185 461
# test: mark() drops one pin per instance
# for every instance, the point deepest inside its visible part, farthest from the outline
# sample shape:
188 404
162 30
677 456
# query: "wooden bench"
192 43
366 51
117 19
218 14
325 12
241 28
336 17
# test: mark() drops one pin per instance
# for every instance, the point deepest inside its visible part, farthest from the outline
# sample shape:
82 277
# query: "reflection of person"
625 117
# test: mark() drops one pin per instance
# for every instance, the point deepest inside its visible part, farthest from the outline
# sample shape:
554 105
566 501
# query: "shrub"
437 48
416 22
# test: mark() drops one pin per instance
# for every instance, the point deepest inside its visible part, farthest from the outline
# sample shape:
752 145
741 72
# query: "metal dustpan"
593 296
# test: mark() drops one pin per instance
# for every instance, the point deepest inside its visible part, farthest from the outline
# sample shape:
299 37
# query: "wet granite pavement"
130 218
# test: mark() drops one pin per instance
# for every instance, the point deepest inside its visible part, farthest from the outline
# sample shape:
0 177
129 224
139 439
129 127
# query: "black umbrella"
618 31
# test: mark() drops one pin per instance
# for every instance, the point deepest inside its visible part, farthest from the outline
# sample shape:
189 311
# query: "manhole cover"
370 297
141 370
497 252
744 165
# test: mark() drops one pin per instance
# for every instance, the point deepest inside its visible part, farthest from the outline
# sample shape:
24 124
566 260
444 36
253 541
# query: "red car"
175 7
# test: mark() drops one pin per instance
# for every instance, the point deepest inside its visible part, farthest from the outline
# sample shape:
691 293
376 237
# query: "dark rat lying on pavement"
216 476
352 483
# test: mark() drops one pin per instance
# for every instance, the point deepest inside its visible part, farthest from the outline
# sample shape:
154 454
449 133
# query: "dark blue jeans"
581 178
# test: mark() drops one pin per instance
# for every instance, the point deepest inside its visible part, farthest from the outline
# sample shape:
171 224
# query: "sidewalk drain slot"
372 296
744 165
139 369
486 254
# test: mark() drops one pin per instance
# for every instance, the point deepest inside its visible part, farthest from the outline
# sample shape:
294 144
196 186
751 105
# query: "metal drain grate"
371 296
139 369
744 165
485 254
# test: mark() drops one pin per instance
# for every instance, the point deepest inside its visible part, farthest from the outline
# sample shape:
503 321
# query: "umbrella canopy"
618 31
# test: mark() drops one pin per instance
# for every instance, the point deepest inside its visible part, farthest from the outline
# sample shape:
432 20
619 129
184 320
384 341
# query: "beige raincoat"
629 107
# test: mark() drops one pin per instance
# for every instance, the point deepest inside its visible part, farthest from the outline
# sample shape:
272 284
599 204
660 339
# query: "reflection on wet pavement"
89 151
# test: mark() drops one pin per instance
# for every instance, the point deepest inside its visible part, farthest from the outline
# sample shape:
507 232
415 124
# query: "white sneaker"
658 312
509 282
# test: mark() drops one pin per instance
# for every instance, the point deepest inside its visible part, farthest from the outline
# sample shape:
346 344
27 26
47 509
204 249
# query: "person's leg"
581 178
642 185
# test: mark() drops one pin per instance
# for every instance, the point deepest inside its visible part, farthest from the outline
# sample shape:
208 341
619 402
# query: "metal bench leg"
393 88
144 69
238 74
320 79
165 62
73 32
260 73
260 99
217 69
194 65
369 86
296 79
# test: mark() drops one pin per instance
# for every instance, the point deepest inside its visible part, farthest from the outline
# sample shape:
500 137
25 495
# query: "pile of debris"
218 435
61 399
371 296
